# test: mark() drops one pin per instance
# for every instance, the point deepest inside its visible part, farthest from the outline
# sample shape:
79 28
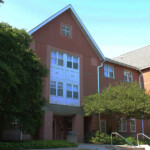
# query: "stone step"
128 148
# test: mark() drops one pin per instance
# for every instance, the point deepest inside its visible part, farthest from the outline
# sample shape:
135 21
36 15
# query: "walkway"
83 146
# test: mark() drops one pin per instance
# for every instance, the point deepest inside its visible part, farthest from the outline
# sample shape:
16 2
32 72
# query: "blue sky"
117 26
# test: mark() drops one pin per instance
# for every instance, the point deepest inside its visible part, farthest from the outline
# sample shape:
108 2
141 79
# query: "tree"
21 77
121 100
1 1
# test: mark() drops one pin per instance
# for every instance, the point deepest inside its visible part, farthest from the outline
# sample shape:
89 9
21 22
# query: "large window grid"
128 76
64 60
108 71
56 88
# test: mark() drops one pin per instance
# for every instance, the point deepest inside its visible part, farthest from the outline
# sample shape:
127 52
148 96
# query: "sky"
117 26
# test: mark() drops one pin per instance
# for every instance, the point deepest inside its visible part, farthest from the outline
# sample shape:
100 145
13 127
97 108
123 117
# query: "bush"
101 138
104 138
35 145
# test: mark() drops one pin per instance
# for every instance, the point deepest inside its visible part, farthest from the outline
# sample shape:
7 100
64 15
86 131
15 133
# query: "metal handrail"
143 135
122 138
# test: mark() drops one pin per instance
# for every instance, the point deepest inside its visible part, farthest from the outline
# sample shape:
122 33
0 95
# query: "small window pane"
75 59
69 64
105 67
60 85
53 61
60 92
105 73
60 55
53 54
53 84
75 65
69 58
75 88
63 27
53 91
69 94
111 74
69 90
125 78
110 69
69 87
75 95
53 87
60 62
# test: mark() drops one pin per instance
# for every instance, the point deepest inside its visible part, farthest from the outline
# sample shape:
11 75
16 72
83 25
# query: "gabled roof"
80 24
139 58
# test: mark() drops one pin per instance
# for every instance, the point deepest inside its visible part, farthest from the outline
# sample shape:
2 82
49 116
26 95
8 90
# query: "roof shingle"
139 58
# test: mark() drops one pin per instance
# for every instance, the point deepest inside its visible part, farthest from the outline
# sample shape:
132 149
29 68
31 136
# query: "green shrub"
101 138
35 145
104 138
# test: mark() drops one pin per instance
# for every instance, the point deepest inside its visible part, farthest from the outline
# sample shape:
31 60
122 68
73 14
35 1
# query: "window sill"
109 77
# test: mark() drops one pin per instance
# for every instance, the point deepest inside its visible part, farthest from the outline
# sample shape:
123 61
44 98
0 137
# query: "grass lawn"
35 145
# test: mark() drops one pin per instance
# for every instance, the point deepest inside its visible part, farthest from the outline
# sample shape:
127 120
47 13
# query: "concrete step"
128 148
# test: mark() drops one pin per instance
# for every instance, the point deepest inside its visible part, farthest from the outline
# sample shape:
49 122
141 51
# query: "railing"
143 135
122 138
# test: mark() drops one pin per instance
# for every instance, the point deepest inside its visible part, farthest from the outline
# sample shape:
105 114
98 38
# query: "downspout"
142 114
98 89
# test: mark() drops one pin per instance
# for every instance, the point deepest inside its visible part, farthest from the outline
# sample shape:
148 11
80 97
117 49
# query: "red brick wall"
119 75
50 36
78 127
146 79
45 132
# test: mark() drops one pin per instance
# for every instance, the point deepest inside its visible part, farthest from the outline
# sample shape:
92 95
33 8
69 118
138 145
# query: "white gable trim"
77 17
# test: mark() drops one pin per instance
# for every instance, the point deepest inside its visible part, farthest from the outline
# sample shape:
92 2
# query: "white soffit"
81 25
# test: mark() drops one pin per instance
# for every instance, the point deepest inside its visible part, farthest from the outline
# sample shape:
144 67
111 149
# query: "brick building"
65 46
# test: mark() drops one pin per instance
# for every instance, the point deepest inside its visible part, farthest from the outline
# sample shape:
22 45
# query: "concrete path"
84 146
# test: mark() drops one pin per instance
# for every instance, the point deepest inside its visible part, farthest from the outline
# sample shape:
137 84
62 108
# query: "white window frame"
72 62
66 30
57 88
126 73
72 85
108 72
57 58
131 125
121 129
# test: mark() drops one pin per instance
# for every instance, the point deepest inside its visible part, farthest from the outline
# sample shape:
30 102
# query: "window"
127 76
60 89
72 62
72 91
108 71
75 91
103 126
65 30
56 90
132 125
69 90
123 125
69 61
57 58
53 87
